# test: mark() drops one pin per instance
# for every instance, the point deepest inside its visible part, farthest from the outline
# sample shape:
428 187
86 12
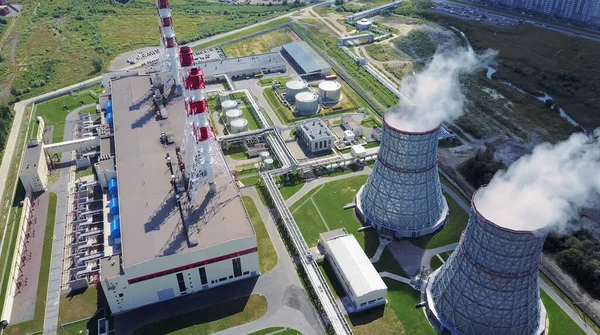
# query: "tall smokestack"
489 285
402 196
168 42
199 135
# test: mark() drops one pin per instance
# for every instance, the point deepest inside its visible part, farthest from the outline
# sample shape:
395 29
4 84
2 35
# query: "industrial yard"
261 182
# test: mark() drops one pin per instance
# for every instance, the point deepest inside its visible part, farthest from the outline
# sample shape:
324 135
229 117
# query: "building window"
237 267
203 279
120 295
372 301
223 279
181 283
363 304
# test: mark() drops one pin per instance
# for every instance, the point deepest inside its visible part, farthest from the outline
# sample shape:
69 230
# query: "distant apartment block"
576 10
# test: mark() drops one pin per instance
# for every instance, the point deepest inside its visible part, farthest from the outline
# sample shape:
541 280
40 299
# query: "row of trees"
578 254
480 169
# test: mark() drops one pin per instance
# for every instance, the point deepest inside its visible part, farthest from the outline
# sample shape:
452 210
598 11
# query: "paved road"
60 187
288 304
320 181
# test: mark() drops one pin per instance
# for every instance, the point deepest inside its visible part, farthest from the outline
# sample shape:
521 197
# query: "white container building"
238 126
330 91
232 114
228 104
307 103
358 151
293 87
363 24
358 276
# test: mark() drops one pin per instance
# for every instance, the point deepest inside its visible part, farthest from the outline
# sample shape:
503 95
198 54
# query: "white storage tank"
363 24
307 103
293 87
224 96
330 91
268 163
238 126
264 155
232 114
228 104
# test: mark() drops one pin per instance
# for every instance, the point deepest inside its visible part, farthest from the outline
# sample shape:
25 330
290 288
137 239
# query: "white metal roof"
354 265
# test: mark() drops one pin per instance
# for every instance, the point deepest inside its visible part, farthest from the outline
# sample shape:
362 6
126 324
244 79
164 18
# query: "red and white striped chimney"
196 104
168 40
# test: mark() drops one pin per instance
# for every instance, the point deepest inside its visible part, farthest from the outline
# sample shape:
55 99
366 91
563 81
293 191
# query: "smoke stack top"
435 92
546 188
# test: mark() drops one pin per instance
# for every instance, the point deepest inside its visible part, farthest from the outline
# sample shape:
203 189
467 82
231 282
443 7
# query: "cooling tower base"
442 327
394 231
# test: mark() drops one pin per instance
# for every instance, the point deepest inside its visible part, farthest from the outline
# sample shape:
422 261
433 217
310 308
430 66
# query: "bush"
97 63
480 169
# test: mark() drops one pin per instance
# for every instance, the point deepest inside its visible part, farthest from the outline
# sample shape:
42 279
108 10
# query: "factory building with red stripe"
167 237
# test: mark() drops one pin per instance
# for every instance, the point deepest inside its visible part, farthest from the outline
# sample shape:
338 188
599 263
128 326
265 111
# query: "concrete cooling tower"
402 196
489 285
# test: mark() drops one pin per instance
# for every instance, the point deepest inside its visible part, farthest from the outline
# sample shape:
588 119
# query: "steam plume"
435 92
545 188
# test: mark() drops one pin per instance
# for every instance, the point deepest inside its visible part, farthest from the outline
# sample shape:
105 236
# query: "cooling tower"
402 196
489 285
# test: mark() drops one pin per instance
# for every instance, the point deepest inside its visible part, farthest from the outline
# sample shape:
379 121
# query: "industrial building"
489 285
243 67
356 274
348 123
576 10
402 197
373 11
166 245
315 135
305 60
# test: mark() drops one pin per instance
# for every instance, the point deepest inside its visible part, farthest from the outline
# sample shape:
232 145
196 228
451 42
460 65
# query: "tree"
571 260
480 169
97 63
339 2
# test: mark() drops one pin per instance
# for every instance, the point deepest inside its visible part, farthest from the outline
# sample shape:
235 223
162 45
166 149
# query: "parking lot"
479 15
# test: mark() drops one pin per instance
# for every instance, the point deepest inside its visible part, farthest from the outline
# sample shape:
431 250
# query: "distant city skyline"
578 10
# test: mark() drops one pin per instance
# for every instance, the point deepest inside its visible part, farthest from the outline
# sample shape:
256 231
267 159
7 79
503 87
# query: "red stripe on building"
191 266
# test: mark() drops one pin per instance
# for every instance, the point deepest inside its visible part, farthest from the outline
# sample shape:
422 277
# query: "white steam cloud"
546 188
436 91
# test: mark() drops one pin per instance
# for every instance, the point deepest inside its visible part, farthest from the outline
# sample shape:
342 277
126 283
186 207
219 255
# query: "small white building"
357 275
349 123
315 135
349 135
358 151
34 171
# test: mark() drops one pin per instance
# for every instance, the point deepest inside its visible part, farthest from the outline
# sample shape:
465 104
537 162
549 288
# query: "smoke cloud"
546 188
435 92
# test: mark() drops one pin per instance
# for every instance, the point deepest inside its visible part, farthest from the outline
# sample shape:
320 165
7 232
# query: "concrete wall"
122 296
11 287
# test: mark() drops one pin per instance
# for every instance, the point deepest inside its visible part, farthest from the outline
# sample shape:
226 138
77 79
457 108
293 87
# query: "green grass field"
287 190
8 249
55 111
259 44
416 44
58 39
37 323
560 322
78 306
267 256
212 319
252 124
84 173
282 80
451 232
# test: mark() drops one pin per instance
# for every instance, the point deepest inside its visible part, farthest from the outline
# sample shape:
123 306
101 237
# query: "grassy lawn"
37 323
570 303
451 232
243 33
8 249
560 322
252 124
212 319
78 306
259 44
287 190
84 173
283 114
416 43
330 199
89 326
282 80
89 110
267 256
55 111
402 298
435 263
250 180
